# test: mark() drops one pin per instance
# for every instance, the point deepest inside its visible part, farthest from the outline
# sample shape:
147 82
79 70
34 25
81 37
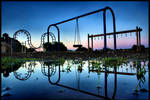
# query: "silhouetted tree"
6 70
107 49
16 45
30 50
59 46
46 46
55 46
6 37
134 48
142 48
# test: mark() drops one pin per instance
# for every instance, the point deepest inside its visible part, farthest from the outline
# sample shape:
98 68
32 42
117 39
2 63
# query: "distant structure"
136 31
5 48
8 44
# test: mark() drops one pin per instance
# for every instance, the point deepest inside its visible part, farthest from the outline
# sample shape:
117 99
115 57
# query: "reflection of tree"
68 66
11 67
80 68
80 65
63 70
49 65
59 61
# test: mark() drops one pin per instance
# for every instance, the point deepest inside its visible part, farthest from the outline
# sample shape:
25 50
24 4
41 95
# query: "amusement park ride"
77 41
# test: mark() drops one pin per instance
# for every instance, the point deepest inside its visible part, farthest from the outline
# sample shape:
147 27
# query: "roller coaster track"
29 37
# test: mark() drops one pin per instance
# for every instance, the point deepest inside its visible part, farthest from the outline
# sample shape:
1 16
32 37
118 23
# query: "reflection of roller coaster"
29 37
52 70
26 75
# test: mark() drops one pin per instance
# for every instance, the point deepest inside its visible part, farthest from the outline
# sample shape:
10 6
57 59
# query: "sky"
36 16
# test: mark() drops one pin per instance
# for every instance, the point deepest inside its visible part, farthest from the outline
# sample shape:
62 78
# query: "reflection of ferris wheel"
51 68
23 76
29 37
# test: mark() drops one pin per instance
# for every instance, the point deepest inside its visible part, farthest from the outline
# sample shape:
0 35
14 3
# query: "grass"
58 61
13 60
114 61
8 61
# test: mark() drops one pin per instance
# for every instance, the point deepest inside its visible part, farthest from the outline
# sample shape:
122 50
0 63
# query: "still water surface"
74 80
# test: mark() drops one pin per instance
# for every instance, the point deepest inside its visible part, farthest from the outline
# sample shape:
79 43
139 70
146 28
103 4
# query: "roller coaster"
23 31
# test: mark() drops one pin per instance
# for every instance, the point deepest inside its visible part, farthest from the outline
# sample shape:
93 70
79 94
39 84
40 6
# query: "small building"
5 47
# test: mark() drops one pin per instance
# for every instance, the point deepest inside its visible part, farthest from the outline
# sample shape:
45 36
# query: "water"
73 80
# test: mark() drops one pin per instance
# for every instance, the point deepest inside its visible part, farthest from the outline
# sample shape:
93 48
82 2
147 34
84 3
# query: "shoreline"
80 55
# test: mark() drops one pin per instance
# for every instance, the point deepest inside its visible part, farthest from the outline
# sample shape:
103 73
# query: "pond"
75 79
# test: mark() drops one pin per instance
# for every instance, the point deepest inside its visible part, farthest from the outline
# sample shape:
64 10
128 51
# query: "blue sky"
35 17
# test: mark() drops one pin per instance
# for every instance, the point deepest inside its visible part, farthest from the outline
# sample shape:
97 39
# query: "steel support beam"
88 42
104 23
58 31
105 77
119 32
137 39
92 43
93 12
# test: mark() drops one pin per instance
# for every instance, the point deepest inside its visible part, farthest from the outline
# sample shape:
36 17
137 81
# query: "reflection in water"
49 74
68 66
50 68
45 66
43 69
140 74
78 88
98 68
115 79
26 71
68 87
7 70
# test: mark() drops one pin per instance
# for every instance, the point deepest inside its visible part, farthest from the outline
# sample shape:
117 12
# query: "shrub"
134 48
56 46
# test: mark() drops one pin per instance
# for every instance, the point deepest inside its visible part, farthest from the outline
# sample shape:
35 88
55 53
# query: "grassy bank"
8 61
13 60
